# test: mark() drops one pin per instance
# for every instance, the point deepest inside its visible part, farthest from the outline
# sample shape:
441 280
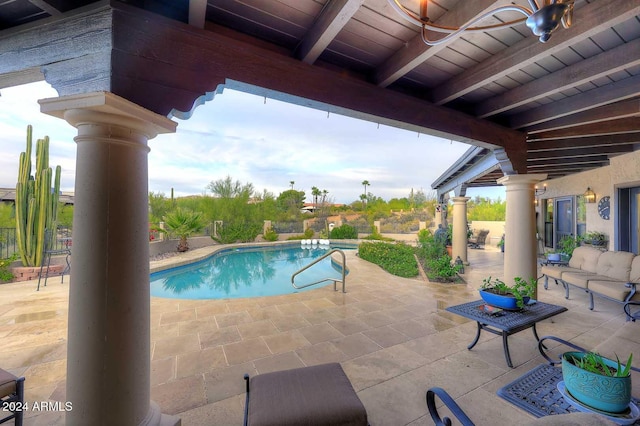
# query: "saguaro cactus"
36 201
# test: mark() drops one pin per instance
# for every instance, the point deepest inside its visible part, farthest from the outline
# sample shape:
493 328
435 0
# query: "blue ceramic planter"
500 301
610 394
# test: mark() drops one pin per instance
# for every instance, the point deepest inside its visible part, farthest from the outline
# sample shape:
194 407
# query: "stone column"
437 216
459 238
520 252
108 355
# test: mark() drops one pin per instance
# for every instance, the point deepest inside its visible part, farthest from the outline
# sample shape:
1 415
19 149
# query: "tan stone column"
520 252
459 238
108 355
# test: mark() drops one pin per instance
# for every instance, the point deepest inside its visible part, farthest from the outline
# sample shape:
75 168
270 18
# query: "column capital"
107 108
458 200
527 178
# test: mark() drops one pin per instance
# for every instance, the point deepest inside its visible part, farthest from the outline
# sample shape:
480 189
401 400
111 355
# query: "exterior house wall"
623 171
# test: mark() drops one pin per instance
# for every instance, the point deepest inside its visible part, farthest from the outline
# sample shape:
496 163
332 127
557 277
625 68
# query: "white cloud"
267 144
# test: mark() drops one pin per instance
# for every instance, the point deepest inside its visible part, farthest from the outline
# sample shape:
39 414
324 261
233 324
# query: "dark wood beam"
564 162
416 52
330 22
622 109
579 152
607 94
593 18
162 64
592 141
613 127
606 63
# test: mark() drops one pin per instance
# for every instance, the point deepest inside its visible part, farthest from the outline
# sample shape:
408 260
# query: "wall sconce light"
589 196
540 191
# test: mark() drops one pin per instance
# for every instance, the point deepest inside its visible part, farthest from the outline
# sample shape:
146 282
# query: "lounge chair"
479 240
311 396
11 397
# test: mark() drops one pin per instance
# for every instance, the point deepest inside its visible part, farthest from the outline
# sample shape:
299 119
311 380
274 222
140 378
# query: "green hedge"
397 259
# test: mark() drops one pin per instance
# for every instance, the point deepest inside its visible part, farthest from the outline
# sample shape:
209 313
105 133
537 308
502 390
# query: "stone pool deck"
392 336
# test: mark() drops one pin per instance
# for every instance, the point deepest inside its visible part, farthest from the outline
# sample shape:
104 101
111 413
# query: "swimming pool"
246 272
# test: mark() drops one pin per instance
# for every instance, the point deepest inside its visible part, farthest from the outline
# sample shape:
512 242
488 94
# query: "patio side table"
506 323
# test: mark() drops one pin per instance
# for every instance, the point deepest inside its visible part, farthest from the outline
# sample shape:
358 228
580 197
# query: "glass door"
628 208
564 219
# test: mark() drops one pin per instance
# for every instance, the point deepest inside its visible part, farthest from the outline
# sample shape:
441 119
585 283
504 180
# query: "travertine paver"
392 336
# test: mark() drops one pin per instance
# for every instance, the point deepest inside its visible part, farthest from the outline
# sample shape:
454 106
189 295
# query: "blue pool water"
246 272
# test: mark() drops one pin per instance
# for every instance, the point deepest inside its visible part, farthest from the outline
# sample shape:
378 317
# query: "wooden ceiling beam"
622 109
591 141
613 127
579 152
593 18
606 63
562 162
416 52
168 67
604 95
330 22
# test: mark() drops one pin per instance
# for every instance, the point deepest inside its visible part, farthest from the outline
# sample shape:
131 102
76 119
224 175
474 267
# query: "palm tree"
365 183
291 182
316 193
183 223
324 196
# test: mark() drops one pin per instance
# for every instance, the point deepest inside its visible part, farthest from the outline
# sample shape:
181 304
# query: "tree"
291 201
227 188
292 182
316 193
184 223
365 183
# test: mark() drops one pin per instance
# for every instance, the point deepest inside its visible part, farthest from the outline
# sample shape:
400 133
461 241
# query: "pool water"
246 272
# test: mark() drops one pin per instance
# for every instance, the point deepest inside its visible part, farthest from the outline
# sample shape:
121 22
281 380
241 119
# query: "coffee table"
506 323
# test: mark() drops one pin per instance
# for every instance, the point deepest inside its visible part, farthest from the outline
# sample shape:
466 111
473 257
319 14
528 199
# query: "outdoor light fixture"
542 20
540 191
589 196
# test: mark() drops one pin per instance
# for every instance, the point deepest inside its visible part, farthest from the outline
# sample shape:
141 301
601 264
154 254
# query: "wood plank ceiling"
577 96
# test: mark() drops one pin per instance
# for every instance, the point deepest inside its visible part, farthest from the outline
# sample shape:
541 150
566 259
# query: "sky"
265 142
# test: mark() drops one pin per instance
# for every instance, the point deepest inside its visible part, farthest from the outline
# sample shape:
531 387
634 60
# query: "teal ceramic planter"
500 300
610 394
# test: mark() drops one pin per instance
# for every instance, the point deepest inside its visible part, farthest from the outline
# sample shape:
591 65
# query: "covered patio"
392 336
123 69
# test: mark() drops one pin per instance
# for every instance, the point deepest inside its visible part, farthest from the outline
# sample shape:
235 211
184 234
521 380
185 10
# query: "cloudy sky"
264 142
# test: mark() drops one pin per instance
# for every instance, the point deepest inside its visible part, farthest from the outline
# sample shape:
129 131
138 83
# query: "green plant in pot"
497 293
596 381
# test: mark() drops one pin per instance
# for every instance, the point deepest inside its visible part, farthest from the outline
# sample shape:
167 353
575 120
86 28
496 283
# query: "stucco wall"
623 171
496 229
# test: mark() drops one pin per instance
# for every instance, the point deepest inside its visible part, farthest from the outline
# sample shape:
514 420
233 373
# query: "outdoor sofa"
609 274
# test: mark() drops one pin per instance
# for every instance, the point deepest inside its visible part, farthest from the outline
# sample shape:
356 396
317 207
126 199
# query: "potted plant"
567 245
501 244
497 293
596 239
597 382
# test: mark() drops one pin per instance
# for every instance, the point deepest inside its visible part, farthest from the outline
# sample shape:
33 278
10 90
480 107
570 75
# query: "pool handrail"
335 280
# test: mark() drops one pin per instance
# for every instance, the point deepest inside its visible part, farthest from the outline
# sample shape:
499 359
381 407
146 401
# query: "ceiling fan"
542 17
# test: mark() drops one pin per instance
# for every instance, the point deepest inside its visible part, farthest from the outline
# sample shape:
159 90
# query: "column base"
156 418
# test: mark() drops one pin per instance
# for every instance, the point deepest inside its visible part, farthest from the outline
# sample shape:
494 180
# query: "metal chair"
50 250
11 397
479 240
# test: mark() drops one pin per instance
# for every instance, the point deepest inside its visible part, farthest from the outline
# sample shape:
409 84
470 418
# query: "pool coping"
196 255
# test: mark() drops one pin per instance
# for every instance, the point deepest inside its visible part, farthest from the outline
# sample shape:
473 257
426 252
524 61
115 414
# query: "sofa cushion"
634 275
581 279
613 289
316 395
556 272
585 258
615 264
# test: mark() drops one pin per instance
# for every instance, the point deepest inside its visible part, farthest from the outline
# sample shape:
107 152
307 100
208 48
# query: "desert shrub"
397 259
5 274
308 233
237 232
344 232
441 269
270 235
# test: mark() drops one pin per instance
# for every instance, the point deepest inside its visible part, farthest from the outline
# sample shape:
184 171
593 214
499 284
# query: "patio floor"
392 336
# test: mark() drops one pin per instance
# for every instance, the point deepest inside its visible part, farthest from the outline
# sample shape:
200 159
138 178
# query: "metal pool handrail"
335 280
